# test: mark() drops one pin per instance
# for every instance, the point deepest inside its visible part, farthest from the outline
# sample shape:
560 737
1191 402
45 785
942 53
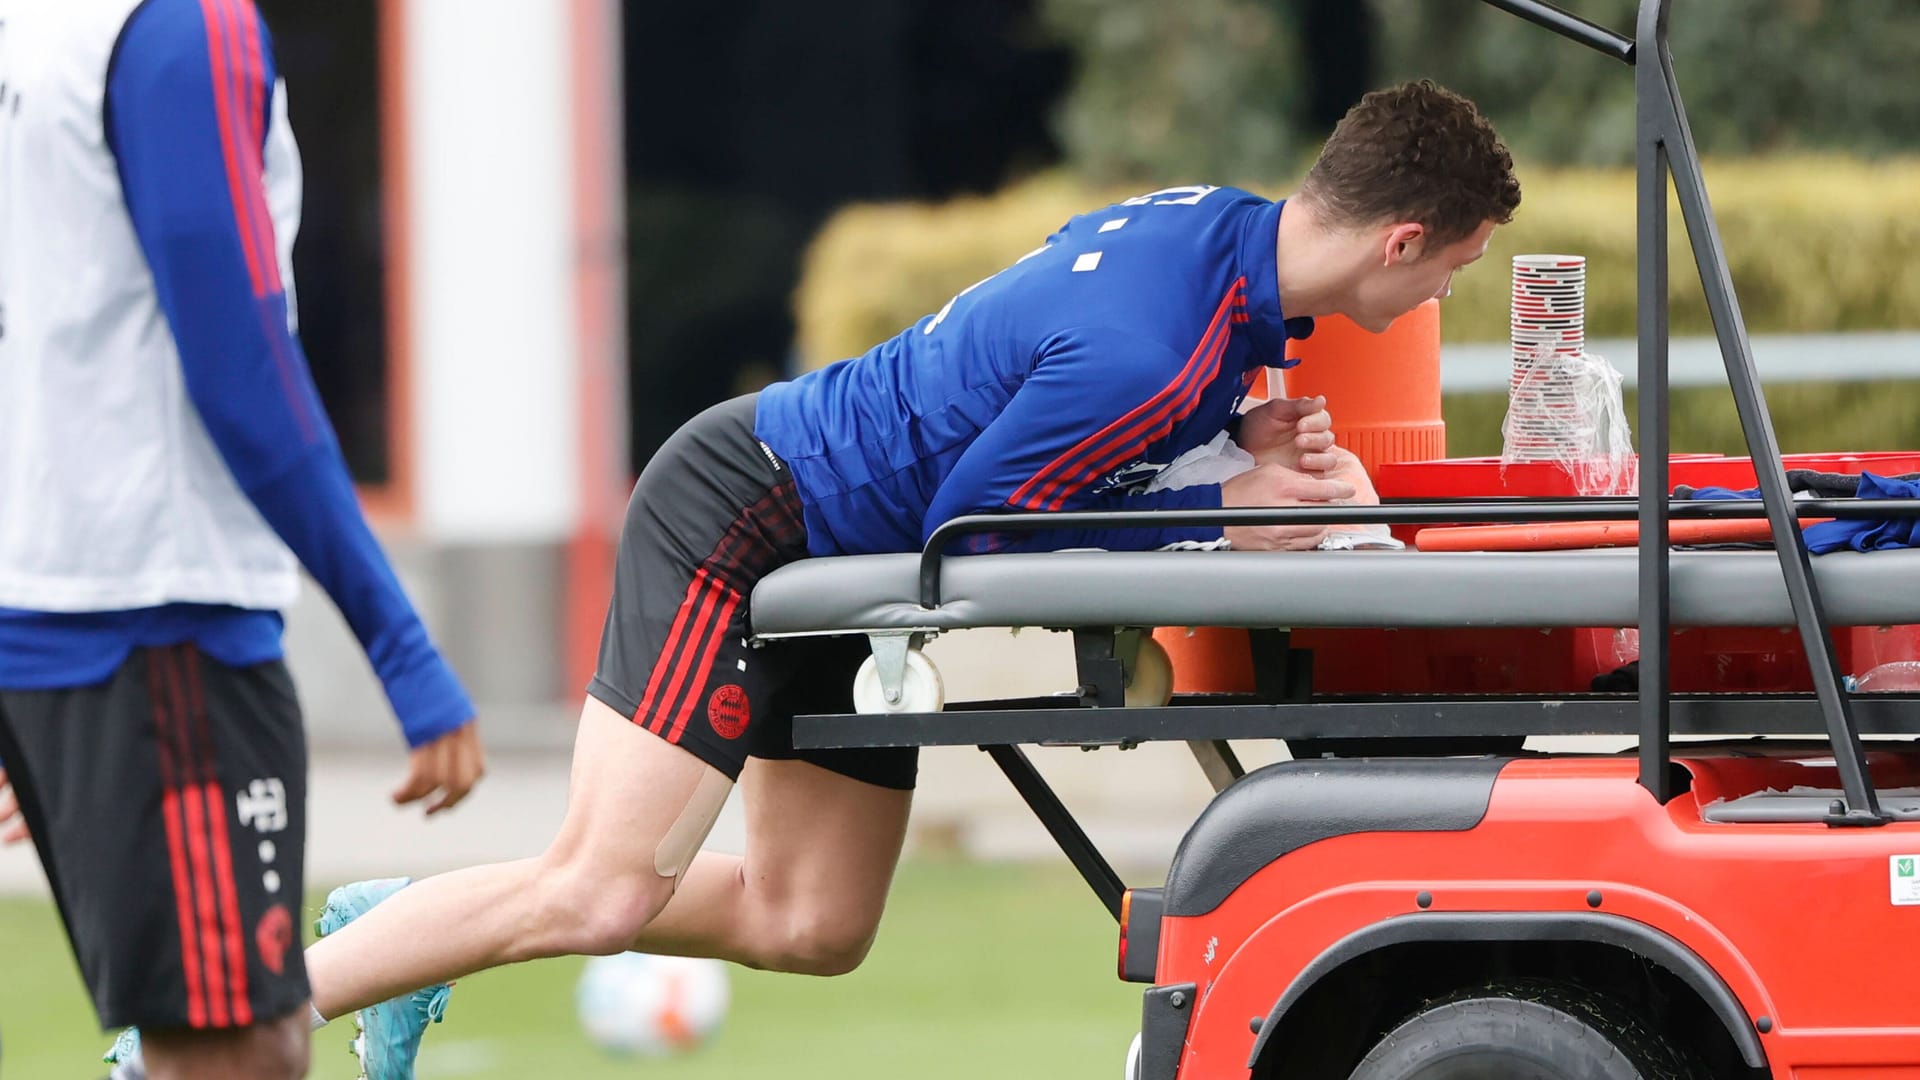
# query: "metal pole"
1434 512
1066 832
1569 25
1803 591
1650 153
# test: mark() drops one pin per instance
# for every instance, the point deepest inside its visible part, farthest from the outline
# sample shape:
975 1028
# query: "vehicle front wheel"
1525 1030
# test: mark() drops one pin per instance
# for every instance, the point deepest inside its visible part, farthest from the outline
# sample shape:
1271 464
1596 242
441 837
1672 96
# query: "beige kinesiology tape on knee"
684 837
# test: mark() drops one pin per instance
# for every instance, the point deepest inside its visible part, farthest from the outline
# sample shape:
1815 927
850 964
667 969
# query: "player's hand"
13 827
1333 464
449 766
1287 431
1276 485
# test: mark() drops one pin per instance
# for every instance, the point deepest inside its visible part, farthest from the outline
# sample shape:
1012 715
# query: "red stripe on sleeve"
1199 372
1111 442
253 92
1057 479
223 107
1149 428
239 91
1034 493
1175 411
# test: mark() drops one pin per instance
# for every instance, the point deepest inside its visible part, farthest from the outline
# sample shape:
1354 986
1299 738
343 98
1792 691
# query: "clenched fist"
1294 432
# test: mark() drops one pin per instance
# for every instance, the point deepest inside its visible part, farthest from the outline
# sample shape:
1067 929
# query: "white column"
491 226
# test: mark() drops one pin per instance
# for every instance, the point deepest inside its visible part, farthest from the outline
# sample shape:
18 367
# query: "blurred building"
460 274
540 234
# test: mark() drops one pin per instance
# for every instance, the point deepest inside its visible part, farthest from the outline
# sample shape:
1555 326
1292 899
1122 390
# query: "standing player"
1064 382
163 462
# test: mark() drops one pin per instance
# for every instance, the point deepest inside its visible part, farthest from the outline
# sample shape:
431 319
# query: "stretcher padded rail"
1320 589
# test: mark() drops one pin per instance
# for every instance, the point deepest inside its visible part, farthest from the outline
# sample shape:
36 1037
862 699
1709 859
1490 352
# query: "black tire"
1524 1030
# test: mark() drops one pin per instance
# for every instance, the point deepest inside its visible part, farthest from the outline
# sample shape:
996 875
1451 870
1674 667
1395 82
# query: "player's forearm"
313 508
248 381
1197 497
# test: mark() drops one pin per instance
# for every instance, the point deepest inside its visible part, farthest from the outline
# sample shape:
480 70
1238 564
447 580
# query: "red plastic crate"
1748 659
1704 659
1737 472
1422 660
1555 660
1483 477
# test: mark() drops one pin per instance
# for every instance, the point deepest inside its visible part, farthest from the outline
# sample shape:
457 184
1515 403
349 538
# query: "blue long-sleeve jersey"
1065 382
187 97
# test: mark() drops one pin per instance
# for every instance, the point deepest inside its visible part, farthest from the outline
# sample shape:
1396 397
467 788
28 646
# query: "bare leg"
807 896
273 1050
591 892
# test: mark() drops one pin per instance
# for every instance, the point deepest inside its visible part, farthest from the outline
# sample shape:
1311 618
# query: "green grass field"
980 971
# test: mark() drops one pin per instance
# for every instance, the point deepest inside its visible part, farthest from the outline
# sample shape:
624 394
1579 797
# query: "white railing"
1854 357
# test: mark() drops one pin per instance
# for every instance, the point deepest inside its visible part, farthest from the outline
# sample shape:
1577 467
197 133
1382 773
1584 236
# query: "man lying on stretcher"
1070 380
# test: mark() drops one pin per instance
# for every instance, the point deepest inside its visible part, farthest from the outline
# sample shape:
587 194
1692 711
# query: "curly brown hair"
1416 152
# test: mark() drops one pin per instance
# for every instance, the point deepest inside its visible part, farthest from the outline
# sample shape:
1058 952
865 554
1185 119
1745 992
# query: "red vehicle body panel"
1797 919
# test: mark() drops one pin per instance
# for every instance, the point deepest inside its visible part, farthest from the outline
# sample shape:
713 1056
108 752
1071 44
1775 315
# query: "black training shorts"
714 512
168 805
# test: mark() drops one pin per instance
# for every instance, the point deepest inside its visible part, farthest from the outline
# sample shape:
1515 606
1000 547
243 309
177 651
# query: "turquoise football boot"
388 1034
125 1057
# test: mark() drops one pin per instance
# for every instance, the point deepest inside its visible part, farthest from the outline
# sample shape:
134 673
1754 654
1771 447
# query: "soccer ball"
655 1006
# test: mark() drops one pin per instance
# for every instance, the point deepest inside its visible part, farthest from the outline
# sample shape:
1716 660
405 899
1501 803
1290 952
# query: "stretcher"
1110 601
1419 881
880 594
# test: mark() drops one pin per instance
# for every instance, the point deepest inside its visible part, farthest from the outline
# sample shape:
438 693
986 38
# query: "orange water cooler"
1384 393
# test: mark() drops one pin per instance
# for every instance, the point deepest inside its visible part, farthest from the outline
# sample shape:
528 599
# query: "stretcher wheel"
1151 684
920 692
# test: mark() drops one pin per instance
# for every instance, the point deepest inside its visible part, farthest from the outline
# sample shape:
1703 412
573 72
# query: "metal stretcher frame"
1664 147
1283 708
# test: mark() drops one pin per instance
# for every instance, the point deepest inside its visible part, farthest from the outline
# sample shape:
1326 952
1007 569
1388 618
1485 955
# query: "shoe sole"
358 1047
341 910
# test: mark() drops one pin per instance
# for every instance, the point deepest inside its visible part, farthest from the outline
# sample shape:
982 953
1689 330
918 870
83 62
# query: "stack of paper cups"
1545 415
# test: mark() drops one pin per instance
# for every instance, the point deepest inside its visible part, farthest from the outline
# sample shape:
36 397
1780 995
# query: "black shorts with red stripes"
713 513
168 805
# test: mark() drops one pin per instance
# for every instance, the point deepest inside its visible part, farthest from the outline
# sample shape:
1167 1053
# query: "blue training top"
167 126
1064 382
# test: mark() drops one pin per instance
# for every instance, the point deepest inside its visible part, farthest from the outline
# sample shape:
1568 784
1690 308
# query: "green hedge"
1757 76
1211 87
1814 244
